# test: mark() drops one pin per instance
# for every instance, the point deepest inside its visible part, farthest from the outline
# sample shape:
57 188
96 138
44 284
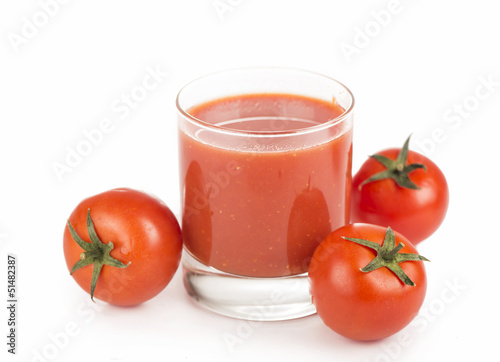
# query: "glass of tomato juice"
265 175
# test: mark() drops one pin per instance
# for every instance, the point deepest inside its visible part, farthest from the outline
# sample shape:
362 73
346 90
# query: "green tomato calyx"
96 252
396 169
388 256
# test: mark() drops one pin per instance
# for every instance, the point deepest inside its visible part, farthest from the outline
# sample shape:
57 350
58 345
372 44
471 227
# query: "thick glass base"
260 299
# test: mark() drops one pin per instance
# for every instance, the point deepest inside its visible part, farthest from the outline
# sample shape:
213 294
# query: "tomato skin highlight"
357 305
144 232
416 214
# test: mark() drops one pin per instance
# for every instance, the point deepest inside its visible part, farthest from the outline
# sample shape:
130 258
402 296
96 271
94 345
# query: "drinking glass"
265 174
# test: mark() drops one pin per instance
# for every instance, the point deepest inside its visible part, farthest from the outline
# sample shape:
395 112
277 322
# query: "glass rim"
270 133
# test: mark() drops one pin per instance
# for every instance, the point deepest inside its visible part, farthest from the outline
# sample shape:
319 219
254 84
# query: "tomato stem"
396 169
388 256
96 252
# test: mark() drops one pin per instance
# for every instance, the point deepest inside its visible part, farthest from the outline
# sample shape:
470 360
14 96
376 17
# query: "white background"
64 67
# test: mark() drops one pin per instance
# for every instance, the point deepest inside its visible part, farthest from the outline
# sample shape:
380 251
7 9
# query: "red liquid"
261 209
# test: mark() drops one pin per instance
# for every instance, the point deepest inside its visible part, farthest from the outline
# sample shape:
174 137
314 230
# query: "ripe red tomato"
414 202
137 242
371 303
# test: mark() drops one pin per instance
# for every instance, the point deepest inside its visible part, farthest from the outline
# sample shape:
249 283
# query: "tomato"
309 222
363 293
136 240
403 189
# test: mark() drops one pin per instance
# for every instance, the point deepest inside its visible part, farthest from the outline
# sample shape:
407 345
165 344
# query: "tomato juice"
264 178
